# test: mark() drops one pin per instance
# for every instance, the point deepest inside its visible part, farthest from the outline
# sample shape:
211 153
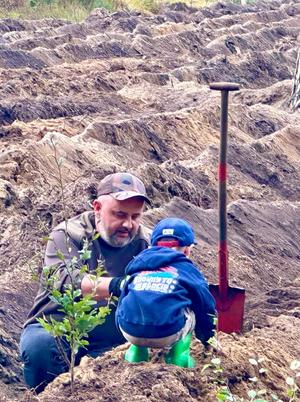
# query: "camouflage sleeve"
60 252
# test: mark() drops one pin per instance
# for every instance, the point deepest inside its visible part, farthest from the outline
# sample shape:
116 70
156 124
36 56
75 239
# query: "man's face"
118 221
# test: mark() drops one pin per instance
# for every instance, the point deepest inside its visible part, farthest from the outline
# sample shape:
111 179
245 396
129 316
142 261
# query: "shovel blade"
230 308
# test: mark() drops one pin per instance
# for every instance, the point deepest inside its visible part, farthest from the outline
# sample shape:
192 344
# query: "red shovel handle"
224 87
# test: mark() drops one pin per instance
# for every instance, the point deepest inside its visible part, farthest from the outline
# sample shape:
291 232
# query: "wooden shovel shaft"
224 87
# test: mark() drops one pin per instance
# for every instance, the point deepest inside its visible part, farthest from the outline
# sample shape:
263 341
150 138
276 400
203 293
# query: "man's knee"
41 357
38 347
35 341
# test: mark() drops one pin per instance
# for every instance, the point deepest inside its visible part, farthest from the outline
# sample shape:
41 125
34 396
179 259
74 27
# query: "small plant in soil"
293 389
80 316
79 313
215 374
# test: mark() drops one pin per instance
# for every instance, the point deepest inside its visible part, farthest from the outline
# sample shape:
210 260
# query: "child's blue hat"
173 228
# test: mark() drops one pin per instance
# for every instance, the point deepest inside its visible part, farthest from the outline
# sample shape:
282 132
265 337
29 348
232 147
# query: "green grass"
155 4
75 10
78 10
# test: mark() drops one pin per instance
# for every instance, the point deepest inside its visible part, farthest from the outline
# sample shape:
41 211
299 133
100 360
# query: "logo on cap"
168 231
175 230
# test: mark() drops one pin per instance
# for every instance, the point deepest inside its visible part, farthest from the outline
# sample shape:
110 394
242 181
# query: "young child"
165 298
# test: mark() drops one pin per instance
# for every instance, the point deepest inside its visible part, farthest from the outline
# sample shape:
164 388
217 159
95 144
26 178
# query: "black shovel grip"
224 86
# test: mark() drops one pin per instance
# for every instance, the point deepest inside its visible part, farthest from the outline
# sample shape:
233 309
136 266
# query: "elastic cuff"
114 286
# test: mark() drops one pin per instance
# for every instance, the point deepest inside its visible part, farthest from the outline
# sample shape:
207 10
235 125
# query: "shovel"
229 301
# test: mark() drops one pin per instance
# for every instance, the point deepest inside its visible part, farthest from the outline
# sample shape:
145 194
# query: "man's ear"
97 205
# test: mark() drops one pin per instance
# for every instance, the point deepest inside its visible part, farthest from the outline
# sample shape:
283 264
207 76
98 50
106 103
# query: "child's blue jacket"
162 284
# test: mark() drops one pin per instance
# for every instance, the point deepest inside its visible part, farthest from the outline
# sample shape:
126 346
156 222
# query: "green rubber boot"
180 353
136 354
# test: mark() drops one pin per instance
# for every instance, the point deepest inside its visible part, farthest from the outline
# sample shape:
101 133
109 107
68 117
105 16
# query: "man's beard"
112 239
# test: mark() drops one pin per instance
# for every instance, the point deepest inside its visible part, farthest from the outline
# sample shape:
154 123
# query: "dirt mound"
152 381
129 91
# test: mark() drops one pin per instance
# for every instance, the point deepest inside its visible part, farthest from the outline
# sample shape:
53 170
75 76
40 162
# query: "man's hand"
103 287
99 288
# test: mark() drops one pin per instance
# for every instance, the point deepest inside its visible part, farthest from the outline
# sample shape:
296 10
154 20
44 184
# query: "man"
116 217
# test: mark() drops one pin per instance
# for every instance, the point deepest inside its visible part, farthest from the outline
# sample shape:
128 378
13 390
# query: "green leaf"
252 394
99 271
77 293
54 299
222 397
84 269
253 362
290 381
274 397
84 342
60 255
45 239
46 270
260 400
45 324
205 367
85 254
295 364
224 394
96 236
74 260
216 361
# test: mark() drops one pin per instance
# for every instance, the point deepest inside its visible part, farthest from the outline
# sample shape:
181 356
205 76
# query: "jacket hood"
154 258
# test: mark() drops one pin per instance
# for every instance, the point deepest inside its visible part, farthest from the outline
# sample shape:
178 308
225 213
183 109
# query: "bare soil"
129 92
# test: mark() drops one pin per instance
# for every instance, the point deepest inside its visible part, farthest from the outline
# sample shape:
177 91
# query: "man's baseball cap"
122 186
178 232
